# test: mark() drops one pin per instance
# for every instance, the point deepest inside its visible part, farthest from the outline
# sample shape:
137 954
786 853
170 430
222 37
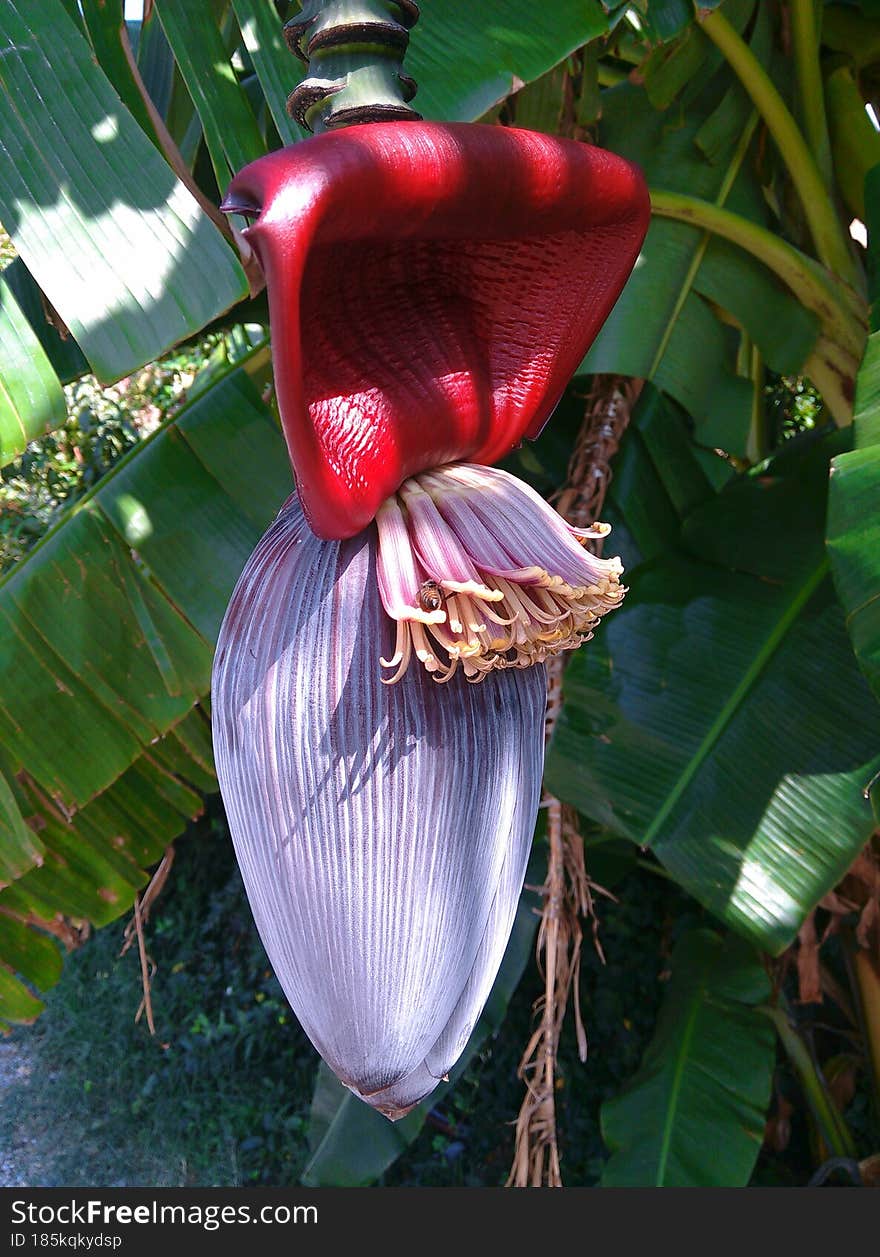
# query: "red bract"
432 288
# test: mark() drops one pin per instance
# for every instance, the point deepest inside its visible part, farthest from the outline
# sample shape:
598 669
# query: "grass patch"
220 1096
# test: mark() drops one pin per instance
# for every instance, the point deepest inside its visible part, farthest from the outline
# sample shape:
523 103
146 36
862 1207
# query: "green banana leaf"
31 397
107 33
685 60
118 244
278 71
660 476
108 627
21 849
490 56
63 352
685 279
351 1144
87 866
659 473
230 128
855 139
663 20
720 717
854 546
693 1115
155 62
854 499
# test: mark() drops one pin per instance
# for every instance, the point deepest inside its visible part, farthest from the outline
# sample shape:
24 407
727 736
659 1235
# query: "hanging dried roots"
567 891
135 930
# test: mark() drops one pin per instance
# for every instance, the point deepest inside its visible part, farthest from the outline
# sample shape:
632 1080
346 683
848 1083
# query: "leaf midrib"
699 254
734 702
677 1081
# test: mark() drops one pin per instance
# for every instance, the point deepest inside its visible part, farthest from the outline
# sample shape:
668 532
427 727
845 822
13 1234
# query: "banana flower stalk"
431 288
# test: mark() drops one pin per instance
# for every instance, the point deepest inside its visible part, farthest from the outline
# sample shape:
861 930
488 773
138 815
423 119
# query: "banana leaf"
107 33
689 287
854 547
693 1115
63 352
121 248
230 128
31 397
853 519
277 70
108 627
92 863
490 56
720 719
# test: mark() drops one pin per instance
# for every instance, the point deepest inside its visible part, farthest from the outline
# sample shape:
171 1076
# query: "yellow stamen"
488 621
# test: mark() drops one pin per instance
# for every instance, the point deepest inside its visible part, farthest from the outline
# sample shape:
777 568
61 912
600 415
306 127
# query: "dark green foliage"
709 1064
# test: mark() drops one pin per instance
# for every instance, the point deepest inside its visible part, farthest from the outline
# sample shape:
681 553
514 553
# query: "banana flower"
431 289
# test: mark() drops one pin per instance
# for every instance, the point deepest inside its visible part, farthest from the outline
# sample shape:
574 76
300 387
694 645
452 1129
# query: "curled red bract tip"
432 288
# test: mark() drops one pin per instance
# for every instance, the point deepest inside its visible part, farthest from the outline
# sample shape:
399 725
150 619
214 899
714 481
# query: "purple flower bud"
382 830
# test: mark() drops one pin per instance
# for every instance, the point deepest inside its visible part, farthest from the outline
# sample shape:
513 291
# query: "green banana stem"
805 39
610 75
842 313
830 1122
831 242
354 49
750 365
866 976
